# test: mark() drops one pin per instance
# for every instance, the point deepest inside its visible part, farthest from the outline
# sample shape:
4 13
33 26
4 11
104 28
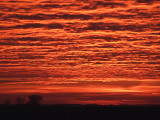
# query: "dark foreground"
79 112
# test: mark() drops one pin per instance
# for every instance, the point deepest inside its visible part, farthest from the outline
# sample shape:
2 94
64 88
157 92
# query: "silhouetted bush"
7 101
20 100
34 99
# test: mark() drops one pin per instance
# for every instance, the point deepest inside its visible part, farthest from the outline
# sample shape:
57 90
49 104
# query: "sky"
80 51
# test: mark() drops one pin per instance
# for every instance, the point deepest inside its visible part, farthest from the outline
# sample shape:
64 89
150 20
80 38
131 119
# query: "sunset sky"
81 51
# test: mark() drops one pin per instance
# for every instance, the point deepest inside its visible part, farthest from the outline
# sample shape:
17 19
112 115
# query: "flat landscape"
80 112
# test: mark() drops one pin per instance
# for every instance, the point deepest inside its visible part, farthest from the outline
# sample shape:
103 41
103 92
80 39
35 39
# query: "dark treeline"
33 100
32 109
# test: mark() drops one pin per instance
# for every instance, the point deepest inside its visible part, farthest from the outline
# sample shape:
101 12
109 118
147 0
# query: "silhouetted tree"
20 100
34 99
7 101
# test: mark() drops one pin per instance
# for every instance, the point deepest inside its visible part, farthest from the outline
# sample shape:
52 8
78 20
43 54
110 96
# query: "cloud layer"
80 44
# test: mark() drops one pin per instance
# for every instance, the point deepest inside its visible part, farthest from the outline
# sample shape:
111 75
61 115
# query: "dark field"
79 112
